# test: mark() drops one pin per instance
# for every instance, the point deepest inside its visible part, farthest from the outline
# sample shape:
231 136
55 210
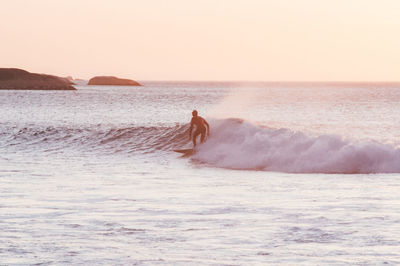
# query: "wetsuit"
200 124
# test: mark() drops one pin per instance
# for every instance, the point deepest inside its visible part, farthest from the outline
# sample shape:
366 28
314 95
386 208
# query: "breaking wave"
234 144
238 144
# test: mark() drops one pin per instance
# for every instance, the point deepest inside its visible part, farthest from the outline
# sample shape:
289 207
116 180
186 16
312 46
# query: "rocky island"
18 79
110 80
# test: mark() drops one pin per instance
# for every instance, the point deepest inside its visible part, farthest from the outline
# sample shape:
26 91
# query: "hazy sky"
204 39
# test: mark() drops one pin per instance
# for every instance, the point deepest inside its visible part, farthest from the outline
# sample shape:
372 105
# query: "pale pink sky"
357 40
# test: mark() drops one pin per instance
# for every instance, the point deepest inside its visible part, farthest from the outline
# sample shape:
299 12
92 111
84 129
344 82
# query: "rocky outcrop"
109 80
18 79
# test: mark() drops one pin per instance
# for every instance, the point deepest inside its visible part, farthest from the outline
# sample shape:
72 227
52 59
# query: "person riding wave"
201 125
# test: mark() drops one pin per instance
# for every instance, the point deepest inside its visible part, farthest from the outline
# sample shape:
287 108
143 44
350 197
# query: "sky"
246 40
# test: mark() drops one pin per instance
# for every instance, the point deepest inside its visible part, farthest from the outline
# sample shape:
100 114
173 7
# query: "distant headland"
110 80
18 79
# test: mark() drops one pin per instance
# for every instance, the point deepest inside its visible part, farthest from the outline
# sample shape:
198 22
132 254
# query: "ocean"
292 174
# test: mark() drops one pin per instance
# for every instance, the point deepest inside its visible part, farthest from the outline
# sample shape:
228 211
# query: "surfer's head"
194 113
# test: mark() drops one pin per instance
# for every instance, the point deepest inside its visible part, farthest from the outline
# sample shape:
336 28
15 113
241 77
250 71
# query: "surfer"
201 125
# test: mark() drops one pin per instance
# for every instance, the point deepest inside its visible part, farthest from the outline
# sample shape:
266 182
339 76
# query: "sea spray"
236 103
238 144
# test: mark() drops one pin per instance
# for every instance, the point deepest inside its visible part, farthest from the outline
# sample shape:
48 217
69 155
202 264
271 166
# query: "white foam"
240 145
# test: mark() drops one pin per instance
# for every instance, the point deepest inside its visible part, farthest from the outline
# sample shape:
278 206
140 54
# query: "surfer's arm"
208 127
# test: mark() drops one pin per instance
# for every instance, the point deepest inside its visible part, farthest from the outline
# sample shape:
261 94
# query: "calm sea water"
292 174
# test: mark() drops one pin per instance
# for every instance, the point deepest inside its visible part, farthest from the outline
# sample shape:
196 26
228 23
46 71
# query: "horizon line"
275 81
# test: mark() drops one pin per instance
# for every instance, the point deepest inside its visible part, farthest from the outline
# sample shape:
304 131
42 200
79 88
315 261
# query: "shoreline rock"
18 79
111 80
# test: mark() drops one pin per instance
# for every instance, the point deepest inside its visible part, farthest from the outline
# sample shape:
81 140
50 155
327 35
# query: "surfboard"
186 152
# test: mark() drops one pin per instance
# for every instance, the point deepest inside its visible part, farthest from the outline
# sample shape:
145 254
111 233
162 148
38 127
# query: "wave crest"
234 144
238 144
